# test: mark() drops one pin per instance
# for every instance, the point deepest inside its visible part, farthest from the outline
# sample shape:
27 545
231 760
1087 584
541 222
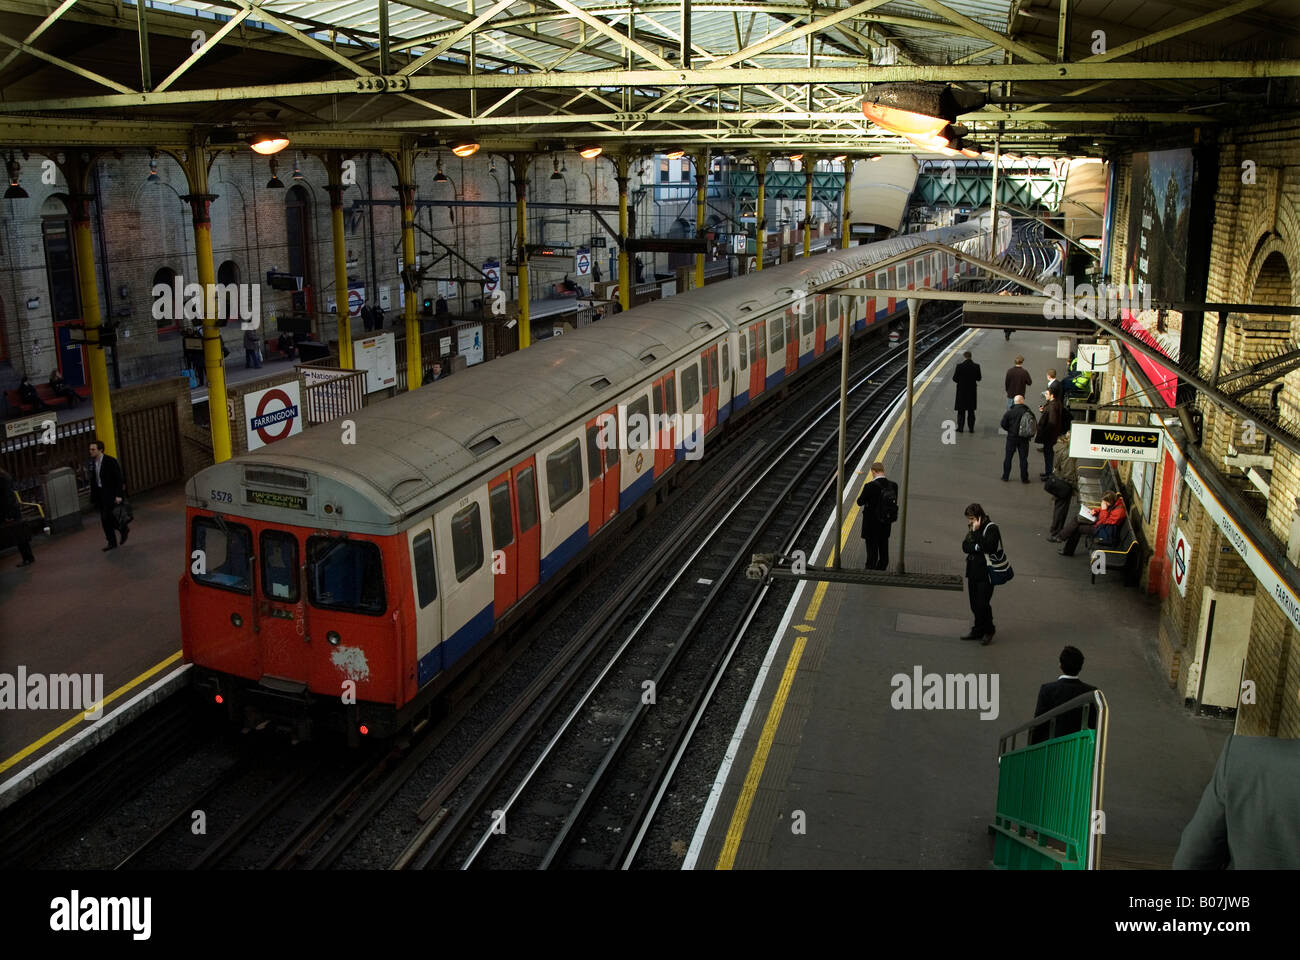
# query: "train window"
638 424
503 528
226 553
610 425
466 541
670 392
278 556
775 335
742 354
345 575
713 368
658 392
426 584
690 386
726 362
593 452
564 474
755 338
808 322
526 489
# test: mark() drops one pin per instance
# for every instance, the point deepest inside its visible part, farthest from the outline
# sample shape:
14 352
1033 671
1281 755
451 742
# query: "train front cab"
279 620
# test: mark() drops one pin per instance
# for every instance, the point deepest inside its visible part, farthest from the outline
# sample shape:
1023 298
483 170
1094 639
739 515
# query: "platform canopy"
1060 77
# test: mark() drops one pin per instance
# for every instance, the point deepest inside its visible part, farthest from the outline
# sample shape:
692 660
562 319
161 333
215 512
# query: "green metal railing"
1048 814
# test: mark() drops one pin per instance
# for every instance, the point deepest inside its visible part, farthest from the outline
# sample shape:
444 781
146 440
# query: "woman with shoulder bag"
986 567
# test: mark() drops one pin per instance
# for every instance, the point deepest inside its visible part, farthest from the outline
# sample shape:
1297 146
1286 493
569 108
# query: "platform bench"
1122 548
48 397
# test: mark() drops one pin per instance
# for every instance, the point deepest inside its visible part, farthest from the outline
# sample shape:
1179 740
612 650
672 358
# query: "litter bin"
62 502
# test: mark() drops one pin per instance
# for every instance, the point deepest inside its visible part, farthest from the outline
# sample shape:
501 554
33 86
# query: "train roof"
414 448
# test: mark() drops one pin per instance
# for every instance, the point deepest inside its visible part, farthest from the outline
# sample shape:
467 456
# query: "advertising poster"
469 344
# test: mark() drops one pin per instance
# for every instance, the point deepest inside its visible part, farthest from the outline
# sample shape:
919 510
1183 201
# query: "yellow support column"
760 220
85 252
520 164
334 166
410 312
621 165
195 165
807 209
701 161
845 212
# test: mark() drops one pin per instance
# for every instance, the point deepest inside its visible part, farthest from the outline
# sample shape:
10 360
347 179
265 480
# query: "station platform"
79 610
823 772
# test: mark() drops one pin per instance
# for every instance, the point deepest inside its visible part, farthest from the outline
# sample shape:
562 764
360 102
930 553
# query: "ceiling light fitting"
268 142
590 151
465 148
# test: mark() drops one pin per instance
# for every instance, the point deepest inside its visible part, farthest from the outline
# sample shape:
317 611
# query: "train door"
831 329
664 396
709 381
528 532
428 619
741 396
819 319
468 591
757 360
692 405
602 468
807 323
505 545
882 304
890 283
727 380
791 341
278 563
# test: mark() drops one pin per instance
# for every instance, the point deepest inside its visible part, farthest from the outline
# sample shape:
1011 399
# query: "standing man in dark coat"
1011 422
966 376
1018 380
1062 690
107 488
12 511
1051 424
876 515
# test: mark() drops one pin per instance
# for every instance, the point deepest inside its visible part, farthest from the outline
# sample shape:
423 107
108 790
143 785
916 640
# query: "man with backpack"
879 503
1020 425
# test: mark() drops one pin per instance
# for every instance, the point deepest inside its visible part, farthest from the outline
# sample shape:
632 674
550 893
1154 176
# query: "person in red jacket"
1110 513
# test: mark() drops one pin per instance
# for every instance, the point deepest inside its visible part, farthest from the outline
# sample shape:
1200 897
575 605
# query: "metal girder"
1187 26
626 42
785 36
708 77
979 30
40 28
456 35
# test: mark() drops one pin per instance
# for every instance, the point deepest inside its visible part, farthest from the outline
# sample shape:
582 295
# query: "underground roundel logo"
640 459
1180 561
265 421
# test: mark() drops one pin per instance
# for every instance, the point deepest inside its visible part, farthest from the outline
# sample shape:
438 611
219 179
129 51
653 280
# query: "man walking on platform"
1020 424
107 488
966 376
879 503
11 512
1018 380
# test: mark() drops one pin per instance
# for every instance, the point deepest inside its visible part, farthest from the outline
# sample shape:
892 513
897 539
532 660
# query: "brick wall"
1255 257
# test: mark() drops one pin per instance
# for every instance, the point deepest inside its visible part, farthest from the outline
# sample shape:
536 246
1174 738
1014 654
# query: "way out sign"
1181 562
1102 441
272 414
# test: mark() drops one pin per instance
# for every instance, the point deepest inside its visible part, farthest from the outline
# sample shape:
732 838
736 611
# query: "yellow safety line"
754 776
65 727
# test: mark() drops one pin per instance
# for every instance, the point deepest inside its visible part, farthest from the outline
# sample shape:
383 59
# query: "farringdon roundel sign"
272 414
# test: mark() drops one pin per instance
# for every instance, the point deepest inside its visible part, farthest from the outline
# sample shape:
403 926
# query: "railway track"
593 743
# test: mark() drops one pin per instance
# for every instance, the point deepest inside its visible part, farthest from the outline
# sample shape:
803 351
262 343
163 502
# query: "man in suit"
875 526
107 488
966 376
1249 816
1062 690
11 511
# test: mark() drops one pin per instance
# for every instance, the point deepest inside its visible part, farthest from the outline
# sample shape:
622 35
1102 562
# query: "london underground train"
343 584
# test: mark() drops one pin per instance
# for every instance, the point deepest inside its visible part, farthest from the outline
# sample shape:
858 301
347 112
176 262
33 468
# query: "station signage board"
378 357
1104 441
583 262
1093 356
1181 562
32 424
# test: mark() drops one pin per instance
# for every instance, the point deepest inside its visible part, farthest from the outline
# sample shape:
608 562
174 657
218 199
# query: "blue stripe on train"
774 378
566 551
456 646
741 400
638 488
808 357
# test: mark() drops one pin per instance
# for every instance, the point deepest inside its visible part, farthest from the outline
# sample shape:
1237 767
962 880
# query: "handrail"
1085 701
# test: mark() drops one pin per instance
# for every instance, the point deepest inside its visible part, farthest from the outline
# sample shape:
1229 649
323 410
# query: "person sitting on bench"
61 388
28 395
284 344
1111 513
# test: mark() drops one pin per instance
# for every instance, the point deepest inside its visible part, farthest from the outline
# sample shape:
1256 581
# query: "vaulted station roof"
1060 76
